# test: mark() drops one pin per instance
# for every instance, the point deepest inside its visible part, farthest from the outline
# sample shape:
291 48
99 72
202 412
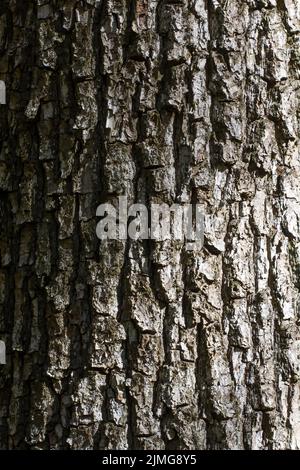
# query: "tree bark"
144 344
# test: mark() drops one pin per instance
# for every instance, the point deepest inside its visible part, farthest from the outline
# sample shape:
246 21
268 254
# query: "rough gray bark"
118 345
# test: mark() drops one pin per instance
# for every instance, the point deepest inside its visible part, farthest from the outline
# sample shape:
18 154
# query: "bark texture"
145 345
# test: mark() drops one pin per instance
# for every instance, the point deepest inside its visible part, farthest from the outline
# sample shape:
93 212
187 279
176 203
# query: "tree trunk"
124 344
